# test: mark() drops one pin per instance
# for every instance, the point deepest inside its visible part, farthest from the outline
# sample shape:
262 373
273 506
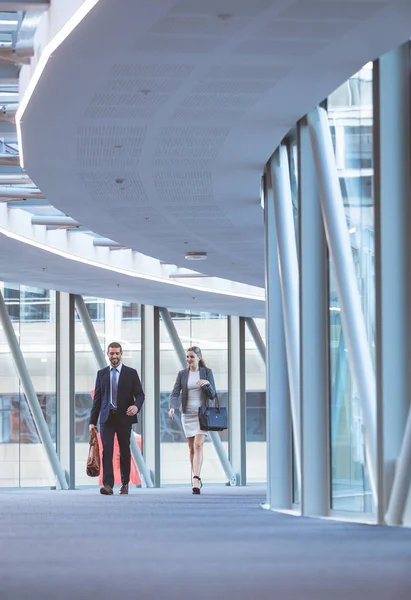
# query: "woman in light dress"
197 387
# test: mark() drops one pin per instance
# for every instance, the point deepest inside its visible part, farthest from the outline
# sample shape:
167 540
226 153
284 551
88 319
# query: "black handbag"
212 418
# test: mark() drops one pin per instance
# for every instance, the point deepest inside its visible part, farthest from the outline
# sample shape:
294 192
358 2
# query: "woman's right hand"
171 413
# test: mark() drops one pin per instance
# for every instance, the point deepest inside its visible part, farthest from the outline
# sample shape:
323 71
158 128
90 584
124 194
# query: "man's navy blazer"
129 392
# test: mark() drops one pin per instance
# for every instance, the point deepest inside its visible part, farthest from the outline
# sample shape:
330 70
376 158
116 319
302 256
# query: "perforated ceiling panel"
198 25
117 188
314 9
105 146
241 8
186 187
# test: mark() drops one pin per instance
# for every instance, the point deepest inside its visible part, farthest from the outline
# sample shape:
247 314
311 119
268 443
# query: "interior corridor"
166 543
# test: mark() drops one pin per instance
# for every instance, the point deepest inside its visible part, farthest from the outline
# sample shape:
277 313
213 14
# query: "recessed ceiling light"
196 256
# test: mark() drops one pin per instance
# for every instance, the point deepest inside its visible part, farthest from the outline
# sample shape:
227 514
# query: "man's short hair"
114 345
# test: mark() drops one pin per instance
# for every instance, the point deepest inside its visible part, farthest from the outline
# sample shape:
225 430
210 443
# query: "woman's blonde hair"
197 352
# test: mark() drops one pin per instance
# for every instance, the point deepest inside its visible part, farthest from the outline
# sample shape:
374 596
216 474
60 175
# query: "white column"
66 385
288 267
236 404
150 380
352 318
314 495
278 419
393 259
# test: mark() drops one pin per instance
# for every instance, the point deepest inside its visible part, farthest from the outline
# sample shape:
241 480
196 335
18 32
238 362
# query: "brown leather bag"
93 460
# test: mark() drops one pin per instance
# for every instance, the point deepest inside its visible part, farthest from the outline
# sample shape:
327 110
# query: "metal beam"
66 418
107 243
257 339
279 446
150 368
15 56
9 160
314 360
17 179
288 264
9 73
15 192
31 395
237 431
392 188
21 5
101 362
215 438
339 245
54 221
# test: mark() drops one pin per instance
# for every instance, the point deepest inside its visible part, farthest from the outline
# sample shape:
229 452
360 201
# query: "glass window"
351 121
112 321
209 332
23 460
256 446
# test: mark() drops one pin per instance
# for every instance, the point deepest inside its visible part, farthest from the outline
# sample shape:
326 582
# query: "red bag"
93 460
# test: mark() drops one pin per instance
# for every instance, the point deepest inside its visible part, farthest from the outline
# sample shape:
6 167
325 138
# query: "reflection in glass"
350 112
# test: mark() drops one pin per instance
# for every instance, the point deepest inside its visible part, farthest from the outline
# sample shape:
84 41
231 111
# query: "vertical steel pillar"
66 386
288 266
339 246
279 466
314 494
99 355
392 150
31 395
237 400
215 438
150 346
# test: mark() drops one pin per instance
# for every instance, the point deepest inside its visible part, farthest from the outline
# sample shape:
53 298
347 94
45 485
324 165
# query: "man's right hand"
91 427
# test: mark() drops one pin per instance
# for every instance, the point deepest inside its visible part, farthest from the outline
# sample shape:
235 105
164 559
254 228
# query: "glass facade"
23 461
350 113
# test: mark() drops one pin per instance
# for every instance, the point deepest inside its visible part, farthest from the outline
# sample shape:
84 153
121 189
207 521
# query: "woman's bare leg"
190 441
198 457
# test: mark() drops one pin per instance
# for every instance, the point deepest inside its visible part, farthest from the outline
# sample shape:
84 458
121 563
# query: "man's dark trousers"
115 425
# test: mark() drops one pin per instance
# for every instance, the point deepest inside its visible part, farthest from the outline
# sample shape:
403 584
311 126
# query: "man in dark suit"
118 397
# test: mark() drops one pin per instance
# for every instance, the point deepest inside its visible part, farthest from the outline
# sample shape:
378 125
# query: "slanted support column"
339 246
288 266
237 399
100 357
392 150
31 395
150 345
66 385
314 493
279 467
257 339
215 438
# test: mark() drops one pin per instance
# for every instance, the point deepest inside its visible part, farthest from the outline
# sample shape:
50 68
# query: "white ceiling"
182 102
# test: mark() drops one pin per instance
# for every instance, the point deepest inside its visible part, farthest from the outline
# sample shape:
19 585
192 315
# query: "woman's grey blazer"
207 391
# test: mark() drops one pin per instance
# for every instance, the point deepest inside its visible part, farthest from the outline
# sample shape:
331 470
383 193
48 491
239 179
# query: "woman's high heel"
196 489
